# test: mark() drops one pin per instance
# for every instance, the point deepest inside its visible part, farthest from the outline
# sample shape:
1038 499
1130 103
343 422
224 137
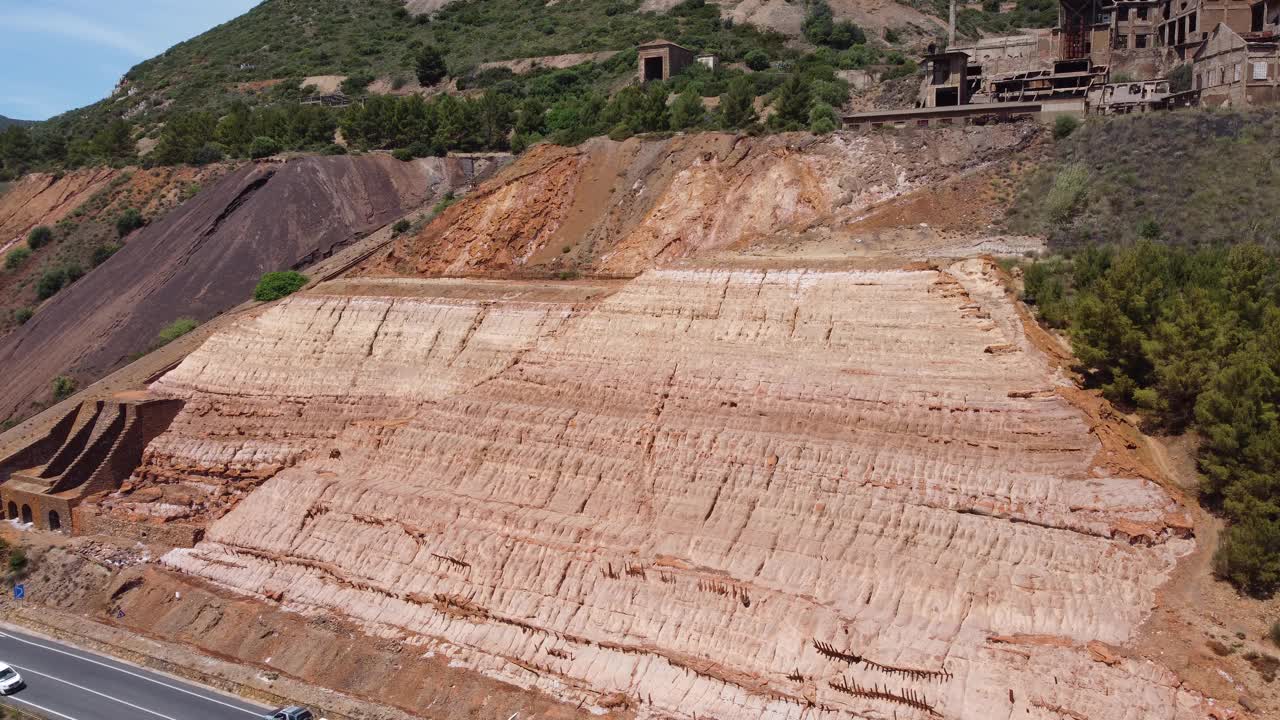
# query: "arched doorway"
55 522
13 510
26 513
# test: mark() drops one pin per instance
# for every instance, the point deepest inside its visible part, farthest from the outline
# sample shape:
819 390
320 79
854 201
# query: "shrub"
334 149
128 221
176 329
17 561
402 154
39 237
50 283
210 152
22 315
1063 126
262 147
1068 187
63 387
275 285
429 66
822 119
102 252
72 272
16 258
757 60
444 204
400 227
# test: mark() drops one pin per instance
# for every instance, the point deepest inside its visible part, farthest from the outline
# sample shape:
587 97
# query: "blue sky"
56 55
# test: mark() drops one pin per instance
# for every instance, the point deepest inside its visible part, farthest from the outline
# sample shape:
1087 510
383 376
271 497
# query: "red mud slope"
206 256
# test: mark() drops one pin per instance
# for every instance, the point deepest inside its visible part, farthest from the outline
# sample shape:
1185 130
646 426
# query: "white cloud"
57 22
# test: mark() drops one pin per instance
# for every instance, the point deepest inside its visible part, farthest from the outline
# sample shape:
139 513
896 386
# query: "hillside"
206 257
6 122
1193 178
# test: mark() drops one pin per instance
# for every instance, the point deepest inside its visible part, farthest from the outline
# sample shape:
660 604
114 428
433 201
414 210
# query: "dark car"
293 712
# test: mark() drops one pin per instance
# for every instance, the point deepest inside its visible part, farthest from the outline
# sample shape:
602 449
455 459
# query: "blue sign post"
19 592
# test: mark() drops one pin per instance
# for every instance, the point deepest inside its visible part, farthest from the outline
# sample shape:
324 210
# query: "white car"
10 680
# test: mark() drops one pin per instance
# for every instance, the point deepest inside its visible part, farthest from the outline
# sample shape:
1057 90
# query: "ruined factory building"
662 59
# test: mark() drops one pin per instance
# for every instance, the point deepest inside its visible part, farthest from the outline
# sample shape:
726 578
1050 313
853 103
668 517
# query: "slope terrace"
714 491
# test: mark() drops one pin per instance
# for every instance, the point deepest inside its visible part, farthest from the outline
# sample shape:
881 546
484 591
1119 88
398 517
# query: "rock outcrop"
206 256
619 208
713 492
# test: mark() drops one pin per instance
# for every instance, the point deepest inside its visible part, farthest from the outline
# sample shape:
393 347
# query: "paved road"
67 683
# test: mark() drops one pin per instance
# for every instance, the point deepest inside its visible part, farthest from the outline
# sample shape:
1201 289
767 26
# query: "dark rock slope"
207 255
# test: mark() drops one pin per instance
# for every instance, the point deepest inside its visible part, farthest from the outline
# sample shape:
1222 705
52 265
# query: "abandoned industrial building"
662 59
1104 57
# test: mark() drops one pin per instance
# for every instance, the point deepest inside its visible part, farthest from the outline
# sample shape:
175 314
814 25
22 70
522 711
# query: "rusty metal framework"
1075 18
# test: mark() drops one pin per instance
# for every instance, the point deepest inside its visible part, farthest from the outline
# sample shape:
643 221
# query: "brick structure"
662 59
1234 70
91 450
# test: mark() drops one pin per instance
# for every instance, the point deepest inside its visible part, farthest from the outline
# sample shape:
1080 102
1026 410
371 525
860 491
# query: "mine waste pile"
735 493
686 483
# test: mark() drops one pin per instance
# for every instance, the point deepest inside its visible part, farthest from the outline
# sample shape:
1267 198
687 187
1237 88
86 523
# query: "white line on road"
254 713
42 708
95 692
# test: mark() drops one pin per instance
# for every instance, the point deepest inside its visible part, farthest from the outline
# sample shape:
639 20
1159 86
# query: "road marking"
91 690
41 709
254 713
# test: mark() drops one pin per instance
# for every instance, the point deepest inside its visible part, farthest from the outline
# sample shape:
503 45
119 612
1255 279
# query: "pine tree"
687 112
430 66
737 107
793 104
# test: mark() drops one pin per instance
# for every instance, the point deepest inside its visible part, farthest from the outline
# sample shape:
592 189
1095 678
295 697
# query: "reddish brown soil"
206 257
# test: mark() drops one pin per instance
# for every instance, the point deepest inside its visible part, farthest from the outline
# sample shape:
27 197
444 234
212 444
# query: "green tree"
429 65
183 136
757 59
532 117
115 140
794 100
737 106
823 119
687 111
263 147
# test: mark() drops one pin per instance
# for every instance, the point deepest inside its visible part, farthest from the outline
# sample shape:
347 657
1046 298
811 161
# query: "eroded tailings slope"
716 492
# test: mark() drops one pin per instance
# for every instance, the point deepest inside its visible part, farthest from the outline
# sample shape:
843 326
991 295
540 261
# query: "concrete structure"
1068 79
710 62
661 59
946 79
1235 70
1010 53
91 450
970 114
1186 24
1125 98
1133 24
